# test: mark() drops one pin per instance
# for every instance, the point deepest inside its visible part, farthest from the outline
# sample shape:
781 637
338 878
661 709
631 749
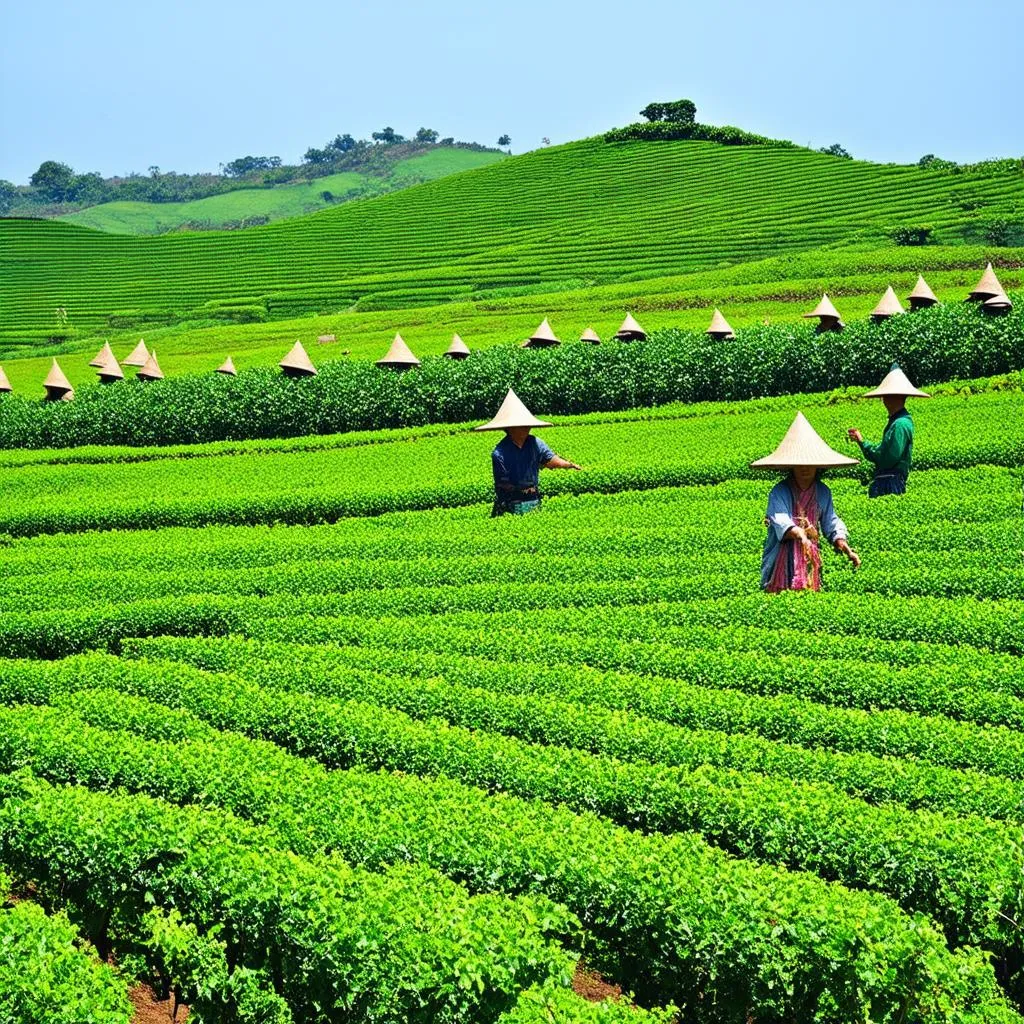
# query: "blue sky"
116 87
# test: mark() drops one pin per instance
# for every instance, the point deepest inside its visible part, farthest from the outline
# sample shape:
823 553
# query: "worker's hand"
803 540
855 435
844 547
572 465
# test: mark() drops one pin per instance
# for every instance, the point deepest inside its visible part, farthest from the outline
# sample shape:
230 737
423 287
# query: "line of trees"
56 187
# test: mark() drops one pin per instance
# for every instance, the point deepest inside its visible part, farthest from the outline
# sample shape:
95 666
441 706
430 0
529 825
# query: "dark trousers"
887 483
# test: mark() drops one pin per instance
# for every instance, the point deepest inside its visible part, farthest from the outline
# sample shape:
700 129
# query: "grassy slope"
156 218
277 203
587 212
777 289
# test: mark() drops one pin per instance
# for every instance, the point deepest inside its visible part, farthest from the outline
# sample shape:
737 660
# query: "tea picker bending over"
517 459
800 511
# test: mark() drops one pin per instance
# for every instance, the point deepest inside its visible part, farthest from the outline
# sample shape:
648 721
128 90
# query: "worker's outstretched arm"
557 462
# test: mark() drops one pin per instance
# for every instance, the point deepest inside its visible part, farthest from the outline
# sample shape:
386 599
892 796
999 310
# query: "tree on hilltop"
505 140
426 135
55 180
388 136
8 195
341 144
246 164
675 111
835 150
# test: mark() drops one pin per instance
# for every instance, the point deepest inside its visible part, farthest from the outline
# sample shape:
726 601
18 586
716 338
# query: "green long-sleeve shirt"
892 453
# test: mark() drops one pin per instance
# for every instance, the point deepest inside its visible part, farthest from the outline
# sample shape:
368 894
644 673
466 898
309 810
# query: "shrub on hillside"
662 131
674 365
917 234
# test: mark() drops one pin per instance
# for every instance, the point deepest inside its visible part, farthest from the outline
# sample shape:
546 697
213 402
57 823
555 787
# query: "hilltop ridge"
577 215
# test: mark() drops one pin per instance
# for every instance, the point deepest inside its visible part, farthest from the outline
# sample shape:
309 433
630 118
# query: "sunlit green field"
779 289
277 203
577 216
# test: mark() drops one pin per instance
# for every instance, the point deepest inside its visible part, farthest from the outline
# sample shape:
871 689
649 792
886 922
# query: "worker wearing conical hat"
800 511
518 458
892 455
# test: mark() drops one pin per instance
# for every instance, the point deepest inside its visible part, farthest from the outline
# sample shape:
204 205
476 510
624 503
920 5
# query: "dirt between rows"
149 1010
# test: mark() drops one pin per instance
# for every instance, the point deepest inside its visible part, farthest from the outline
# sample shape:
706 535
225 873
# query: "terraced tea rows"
610 212
417 763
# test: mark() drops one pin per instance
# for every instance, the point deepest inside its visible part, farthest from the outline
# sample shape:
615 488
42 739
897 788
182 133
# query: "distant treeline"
55 188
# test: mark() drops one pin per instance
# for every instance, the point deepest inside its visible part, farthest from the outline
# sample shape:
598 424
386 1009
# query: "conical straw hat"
513 414
802 447
104 356
137 356
227 367
56 384
55 379
590 336
543 337
896 382
458 349
297 363
5 384
888 305
719 327
399 354
151 371
630 329
988 286
998 303
110 370
922 294
826 309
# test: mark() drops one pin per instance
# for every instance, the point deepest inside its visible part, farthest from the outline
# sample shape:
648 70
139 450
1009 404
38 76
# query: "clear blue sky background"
115 87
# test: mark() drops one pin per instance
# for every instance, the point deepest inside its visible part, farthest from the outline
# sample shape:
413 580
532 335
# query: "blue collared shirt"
518 469
780 520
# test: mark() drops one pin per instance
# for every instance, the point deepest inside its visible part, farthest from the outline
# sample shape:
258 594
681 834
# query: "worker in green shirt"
891 457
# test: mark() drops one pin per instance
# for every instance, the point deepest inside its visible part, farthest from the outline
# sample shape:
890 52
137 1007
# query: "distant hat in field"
227 367
630 330
110 371
137 356
458 349
399 356
58 387
827 314
896 382
590 336
988 287
888 305
998 304
543 337
922 296
512 414
5 384
297 363
803 447
104 356
719 327
326 339
151 371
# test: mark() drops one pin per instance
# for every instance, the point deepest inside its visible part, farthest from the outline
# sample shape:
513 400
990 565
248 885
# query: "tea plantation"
294 729
588 213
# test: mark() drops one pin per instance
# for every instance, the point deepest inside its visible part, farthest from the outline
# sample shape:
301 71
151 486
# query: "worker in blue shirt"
517 459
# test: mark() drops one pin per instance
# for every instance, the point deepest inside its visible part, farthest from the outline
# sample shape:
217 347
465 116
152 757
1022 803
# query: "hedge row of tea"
609 212
674 365
389 473
412 767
